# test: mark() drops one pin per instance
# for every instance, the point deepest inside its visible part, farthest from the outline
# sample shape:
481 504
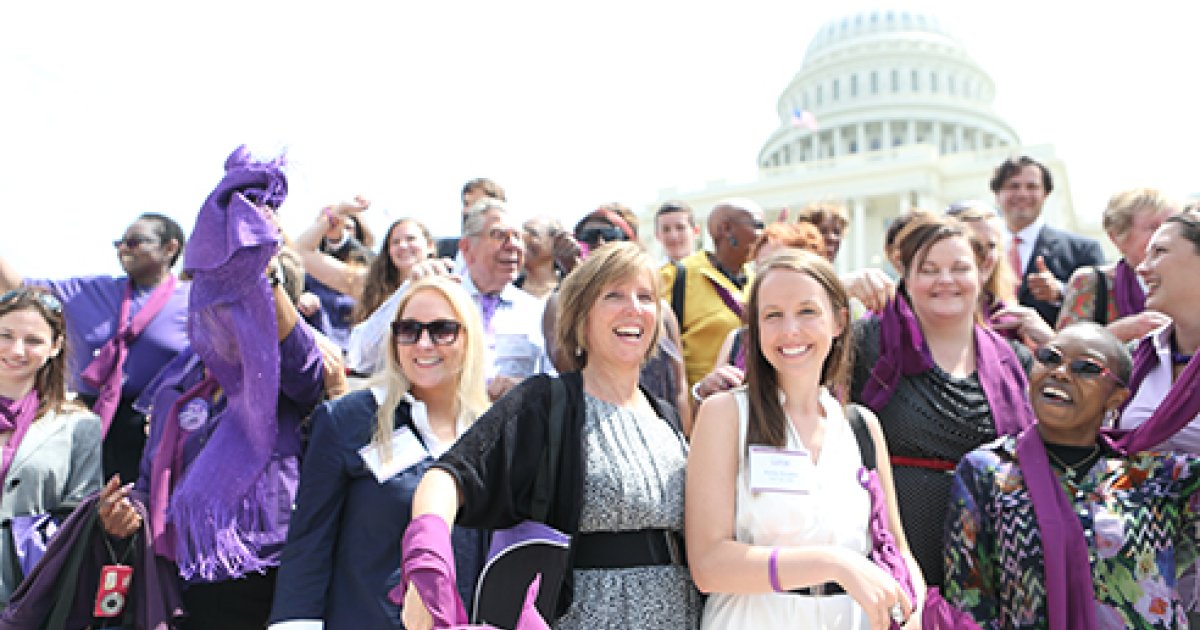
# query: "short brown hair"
795 235
581 289
1012 166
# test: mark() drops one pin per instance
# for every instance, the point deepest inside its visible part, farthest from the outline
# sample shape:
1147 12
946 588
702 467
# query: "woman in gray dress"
619 487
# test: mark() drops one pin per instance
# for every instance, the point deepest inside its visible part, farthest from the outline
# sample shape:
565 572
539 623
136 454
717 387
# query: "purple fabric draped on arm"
16 416
231 324
903 352
1127 291
429 565
1069 586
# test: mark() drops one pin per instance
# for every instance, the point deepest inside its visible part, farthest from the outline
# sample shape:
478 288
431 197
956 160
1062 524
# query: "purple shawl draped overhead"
1127 291
1070 591
903 352
231 325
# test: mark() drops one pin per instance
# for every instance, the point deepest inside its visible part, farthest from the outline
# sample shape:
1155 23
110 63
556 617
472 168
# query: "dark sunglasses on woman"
592 235
1087 368
442 332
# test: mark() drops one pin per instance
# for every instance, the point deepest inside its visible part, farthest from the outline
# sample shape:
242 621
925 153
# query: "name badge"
406 451
780 470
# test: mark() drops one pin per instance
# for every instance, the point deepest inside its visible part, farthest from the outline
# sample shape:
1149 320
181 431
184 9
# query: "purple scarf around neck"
16 416
106 371
1070 591
903 352
1127 291
232 328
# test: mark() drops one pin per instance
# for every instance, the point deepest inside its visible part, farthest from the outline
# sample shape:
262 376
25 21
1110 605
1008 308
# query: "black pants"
242 604
125 441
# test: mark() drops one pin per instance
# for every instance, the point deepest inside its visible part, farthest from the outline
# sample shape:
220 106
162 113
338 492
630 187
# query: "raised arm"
9 277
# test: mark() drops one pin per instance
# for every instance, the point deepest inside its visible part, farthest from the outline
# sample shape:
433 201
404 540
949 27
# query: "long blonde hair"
471 399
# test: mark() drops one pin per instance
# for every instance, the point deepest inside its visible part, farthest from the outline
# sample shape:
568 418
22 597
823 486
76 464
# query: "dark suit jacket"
1063 252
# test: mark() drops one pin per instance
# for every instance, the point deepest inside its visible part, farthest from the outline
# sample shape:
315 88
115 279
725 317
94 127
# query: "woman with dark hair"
51 447
790 550
940 382
1111 294
618 490
1069 527
122 331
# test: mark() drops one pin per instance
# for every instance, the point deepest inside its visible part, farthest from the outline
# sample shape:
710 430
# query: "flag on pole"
803 119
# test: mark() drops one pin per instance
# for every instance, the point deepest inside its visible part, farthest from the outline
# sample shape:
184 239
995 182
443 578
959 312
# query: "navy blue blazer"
343 549
1063 252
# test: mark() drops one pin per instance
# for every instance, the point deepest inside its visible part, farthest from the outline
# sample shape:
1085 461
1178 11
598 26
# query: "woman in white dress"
776 519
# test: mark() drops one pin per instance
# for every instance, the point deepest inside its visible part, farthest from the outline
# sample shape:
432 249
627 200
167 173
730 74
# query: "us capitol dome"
888 111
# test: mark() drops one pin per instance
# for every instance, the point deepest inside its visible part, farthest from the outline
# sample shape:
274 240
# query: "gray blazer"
56 465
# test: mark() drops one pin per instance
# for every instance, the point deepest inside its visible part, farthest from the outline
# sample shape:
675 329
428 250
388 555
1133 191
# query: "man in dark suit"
1042 256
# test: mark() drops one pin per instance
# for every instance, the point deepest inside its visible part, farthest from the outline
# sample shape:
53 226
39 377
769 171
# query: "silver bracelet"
696 392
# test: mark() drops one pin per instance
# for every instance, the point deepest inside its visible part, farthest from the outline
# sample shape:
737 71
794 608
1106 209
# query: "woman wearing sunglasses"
51 447
1066 526
367 453
122 331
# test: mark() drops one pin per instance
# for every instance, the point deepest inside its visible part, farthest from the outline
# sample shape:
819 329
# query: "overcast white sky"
113 109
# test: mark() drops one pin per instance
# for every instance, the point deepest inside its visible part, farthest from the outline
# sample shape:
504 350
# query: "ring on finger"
897 613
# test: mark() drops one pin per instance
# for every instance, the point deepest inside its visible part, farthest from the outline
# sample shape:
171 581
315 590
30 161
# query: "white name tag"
406 451
780 470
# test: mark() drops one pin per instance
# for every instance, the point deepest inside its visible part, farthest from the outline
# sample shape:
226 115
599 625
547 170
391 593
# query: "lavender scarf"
1127 291
903 352
16 416
1070 591
231 325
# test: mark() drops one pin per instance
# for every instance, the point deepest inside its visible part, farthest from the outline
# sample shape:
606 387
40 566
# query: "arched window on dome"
874 82
895 80
819 95
951 85
853 85
835 93
916 81
933 81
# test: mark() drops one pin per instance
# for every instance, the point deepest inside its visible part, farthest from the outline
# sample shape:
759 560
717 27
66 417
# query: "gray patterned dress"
635 473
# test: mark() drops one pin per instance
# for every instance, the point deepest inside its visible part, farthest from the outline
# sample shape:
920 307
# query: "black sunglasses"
132 242
48 301
1087 368
442 332
592 235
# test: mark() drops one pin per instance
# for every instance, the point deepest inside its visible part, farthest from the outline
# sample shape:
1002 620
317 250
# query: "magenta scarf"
1070 591
106 371
903 352
1127 291
232 328
16 416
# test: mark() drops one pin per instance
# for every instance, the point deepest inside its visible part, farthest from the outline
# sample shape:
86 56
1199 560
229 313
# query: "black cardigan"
496 462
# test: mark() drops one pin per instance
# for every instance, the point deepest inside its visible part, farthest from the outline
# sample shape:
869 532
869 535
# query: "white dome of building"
887 112
886 79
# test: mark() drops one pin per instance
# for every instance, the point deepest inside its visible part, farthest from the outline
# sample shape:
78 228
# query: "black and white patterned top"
635 474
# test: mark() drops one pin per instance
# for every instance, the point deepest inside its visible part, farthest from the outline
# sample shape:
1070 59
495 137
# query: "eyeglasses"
1086 368
132 242
757 223
442 332
48 301
501 235
592 235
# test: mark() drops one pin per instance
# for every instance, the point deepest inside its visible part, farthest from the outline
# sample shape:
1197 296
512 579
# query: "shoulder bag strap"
862 435
677 292
543 489
1100 305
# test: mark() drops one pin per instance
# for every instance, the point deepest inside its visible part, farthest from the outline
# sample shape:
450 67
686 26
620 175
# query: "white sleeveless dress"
834 512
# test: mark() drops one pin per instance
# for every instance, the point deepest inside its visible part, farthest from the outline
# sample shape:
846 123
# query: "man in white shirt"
1042 256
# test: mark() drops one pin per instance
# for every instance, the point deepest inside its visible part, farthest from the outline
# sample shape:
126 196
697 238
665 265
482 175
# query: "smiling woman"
1118 522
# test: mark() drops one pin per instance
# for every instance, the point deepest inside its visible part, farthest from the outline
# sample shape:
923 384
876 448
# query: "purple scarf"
731 301
106 371
16 416
1070 592
991 310
903 352
1127 291
232 328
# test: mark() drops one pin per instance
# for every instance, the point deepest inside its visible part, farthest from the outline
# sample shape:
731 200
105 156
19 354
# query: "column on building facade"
960 137
885 135
836 138
935 135
910 132
926 201
858 221
860 131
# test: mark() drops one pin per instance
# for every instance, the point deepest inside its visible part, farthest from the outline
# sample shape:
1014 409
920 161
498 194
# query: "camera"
113 590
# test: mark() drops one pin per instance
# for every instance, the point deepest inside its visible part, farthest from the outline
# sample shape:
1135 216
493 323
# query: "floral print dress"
1141 517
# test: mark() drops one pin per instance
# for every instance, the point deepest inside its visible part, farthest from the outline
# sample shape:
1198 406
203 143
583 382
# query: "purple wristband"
773 570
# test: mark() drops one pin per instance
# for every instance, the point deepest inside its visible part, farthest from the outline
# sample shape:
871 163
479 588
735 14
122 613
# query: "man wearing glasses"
493 251
712 287
121 331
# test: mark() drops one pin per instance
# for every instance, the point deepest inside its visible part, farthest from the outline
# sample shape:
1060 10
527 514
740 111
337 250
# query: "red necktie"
1014 255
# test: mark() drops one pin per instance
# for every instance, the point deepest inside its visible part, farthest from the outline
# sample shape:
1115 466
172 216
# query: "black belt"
828 588
623 550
